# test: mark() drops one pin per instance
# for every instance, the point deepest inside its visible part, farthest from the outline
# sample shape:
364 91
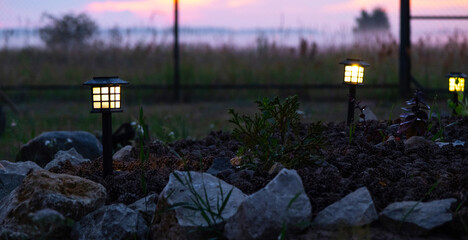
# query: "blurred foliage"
377 20
68 31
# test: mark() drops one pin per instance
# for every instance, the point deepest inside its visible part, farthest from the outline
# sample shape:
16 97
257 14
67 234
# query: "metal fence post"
176 52
405 48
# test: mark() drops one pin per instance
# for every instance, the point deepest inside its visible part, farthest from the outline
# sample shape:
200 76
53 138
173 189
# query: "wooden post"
405 48
176 52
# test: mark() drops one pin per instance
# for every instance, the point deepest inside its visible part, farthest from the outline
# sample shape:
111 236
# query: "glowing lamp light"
105 92
353 76
456 82
105 99
354 71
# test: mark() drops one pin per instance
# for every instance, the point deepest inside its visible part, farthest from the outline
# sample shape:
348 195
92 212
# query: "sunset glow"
142 6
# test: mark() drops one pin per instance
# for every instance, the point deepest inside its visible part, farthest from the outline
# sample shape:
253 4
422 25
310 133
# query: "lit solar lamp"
456 84
353 76
106 98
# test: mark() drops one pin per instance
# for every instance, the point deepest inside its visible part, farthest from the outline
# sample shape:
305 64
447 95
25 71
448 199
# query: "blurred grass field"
204 110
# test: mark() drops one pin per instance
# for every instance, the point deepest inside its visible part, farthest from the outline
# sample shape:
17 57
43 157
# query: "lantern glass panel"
96 90
353 74
456 84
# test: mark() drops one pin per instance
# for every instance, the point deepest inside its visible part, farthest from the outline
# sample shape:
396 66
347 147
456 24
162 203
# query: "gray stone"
417 218
124 154
49 224
355 209
417 142
111 222
43 148
182 188
262 214
369 114
455 143
246 174
219 165
61 157
146 206
71 196
21 168
8 182
276 168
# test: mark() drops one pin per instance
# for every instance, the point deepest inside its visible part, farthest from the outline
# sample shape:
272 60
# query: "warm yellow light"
105 97
97 105
104 90
96 90
105 104
117 104
117 97
112 89
96 98
112 104
117 89
456 84
353 74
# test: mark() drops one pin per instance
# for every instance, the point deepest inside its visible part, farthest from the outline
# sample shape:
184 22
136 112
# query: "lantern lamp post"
106 98
353 76
456 84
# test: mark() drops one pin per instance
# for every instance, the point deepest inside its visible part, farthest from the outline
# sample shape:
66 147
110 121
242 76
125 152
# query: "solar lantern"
456 84
105 99
353 76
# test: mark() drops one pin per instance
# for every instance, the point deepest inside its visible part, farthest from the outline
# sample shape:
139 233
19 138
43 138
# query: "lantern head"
353 71
105 92
456 81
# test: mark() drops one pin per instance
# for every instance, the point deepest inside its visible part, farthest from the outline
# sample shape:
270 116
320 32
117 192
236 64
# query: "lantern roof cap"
351 61
456 74
105 81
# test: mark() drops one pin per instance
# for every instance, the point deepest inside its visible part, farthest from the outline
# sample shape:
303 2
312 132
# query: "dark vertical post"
176 52
455 100
107 143
405 48
351 100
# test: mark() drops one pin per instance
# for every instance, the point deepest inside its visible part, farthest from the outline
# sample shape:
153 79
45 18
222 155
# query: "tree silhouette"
68 31
375 21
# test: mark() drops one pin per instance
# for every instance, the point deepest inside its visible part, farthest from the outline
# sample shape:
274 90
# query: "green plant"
431 189
276 135
414 120
460 108
352 130
143 136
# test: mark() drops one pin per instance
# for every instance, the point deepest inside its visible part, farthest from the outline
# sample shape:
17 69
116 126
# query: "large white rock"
111 222
183 188
262 214
71 196
21 168
62 156
417 218
124 154
355 209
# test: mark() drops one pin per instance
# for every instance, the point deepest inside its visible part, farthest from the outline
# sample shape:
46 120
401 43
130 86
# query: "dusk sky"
316 14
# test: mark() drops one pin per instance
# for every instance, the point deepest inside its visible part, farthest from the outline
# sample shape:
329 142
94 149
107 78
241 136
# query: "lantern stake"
351 101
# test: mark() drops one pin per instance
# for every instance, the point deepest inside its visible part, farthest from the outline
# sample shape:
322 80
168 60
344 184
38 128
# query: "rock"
392 129
417 142
2 168
145 206
63 156
262 214
236 161
246 174
423 218
124 154
42 148
8 182
370 116
455 143
21 168
71 196
276 168
219 164
115 221
355 209
178 223
49 224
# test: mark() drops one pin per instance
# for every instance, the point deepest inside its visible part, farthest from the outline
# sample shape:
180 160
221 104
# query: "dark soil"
389 170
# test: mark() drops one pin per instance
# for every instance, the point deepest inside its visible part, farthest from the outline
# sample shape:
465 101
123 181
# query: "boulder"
112 222
182 192
48 224
71 196
355 209
42 148
370 116
263 214
124 154
417 218
219 164
21 168
8 182
145 206
61 157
